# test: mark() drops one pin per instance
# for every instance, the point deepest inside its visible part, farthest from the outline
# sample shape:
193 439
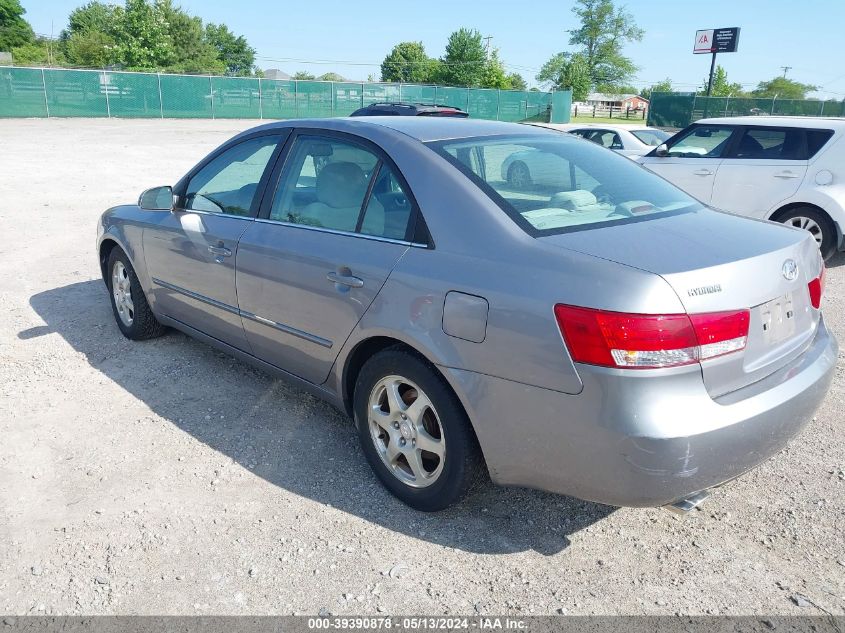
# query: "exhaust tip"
687 504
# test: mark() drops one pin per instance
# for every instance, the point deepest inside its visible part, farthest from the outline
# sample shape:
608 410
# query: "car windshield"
553 183
651 137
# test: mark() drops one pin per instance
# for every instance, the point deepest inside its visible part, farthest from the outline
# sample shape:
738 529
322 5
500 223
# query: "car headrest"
341 185
572 200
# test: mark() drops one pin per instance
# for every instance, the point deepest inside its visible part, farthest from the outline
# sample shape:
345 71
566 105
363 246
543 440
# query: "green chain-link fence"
50 92
679 109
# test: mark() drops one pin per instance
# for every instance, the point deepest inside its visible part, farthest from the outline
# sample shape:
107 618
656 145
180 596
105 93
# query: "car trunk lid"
718 262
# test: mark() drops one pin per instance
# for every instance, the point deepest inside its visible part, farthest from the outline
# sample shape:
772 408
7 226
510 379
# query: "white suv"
786 169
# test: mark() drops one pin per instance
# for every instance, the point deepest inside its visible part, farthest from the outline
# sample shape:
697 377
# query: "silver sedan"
598 334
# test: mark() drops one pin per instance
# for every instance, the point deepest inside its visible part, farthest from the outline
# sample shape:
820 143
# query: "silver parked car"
603 336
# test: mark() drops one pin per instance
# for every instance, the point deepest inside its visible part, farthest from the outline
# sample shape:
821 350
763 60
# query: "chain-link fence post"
106 88
260 100
211 91
46 100
160 100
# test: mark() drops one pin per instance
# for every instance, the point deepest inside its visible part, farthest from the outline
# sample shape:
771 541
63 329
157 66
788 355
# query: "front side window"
552 183
229 183
338 185
701 141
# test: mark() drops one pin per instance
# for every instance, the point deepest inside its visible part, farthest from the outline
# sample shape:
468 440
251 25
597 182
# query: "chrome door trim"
320 229
197 296
312 338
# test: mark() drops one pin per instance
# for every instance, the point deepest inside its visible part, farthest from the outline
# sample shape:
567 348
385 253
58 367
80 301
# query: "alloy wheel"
808 224
121 287
406 431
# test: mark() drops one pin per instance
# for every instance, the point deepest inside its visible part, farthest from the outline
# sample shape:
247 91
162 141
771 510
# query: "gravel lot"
167 478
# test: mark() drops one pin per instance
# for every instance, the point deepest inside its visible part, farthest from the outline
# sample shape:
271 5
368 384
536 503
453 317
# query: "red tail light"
817 289
647 341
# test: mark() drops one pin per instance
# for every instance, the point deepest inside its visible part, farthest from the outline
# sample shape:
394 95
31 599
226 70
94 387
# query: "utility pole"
487 44
785 70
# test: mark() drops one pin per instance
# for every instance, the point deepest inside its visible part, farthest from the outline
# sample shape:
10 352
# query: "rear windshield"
651 137
554 183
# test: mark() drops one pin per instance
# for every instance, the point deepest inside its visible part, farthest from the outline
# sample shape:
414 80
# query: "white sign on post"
703 41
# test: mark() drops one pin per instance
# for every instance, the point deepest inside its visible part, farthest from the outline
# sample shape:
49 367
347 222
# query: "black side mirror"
157 199
661 150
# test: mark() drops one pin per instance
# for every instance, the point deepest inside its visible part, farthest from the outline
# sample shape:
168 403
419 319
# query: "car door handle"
345 280
703 172
786 174
220 251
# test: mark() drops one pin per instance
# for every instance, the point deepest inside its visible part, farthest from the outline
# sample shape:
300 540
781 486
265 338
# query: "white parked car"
786 169
628 140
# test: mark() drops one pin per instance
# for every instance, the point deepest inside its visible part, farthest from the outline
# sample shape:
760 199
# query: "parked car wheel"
518 175
817 223
131 310
414 431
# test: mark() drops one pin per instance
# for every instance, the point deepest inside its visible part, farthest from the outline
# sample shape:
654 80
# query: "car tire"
817 222
129 304
519 176
401 404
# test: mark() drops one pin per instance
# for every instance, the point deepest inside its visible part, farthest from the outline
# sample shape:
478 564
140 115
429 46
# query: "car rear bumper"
634 439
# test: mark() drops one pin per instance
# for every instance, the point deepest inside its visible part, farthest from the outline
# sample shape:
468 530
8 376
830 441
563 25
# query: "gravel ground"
167 478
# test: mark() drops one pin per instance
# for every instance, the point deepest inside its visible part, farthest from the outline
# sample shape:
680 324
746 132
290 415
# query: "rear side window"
780 143
772 143
816 139
554 183
338 185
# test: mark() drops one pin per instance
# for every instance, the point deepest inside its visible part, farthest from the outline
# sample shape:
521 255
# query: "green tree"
303 75
15 31
567 71
517 82
89 49
331 77
494 75
783 88
603 31
660 86
94 16
407 62
35 53
142 41
721 86
465 59
192 53
233 50
617 89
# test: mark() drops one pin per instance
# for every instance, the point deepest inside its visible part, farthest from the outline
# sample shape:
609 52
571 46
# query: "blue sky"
355 36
